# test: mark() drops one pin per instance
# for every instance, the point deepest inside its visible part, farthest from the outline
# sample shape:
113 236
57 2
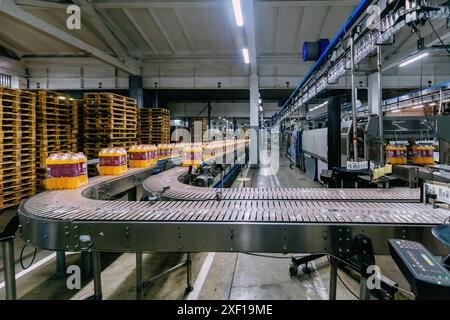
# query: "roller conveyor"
168 186
74 220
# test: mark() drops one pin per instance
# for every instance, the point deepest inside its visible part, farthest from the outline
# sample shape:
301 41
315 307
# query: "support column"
334 132
355 137
254 121
209 120
375 94
136 91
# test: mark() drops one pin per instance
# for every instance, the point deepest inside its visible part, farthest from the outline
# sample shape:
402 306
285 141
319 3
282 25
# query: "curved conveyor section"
168 186
73 220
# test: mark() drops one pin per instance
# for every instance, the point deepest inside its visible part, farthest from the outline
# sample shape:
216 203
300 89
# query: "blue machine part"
227 176
313 50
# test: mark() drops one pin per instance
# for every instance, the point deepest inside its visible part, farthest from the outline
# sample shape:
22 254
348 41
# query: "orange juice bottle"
82 169
187 156
71 173
405 155
105 158
197 153
390 154
429 159
51 182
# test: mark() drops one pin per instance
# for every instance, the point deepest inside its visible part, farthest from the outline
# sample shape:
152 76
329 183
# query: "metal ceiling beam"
159 4
327 15
299 31
161 29
140 30
103 30
303 3
118 32
42 4
277 29
9 8
184 29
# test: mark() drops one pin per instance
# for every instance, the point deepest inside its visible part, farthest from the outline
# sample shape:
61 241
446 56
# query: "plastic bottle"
197 154
53 172
82 169
404 155
429 151
390 154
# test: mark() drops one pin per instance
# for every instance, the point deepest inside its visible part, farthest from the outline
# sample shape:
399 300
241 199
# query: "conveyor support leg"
60 263
139 275
189 286
86 262
364 293
9 269
333 279
97 270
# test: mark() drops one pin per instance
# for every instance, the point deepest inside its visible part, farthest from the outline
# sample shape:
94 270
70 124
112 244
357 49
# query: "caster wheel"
293 270
189 288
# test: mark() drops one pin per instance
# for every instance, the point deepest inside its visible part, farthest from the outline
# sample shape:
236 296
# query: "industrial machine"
428 278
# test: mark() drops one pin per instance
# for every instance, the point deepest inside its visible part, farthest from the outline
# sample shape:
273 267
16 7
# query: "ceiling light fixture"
238 12
418 107
420 56
246 57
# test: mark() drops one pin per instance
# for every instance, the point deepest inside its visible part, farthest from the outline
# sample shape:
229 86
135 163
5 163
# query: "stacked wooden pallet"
198 129
18 146
56 128
110 120
76 136
154 126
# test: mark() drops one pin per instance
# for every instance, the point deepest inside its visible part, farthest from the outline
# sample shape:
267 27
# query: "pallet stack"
17 150
198 129
145 126
77 129
110 120
56 129
154 126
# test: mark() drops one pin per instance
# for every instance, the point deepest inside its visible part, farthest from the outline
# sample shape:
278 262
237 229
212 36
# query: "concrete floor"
215 275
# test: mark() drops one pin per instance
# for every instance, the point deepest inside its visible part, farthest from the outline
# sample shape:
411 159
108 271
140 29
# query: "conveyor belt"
176 190
69 220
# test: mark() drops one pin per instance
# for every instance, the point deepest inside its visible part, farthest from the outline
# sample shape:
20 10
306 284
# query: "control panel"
426 275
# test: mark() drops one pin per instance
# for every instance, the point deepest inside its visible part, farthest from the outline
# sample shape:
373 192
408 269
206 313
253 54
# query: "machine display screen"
427 260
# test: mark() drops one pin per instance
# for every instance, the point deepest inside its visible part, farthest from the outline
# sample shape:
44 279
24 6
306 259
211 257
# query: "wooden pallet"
17 146
109 120
56 129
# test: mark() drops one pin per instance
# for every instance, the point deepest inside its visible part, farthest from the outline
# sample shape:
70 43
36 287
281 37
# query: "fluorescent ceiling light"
62 98
246 57
433 104
420 56
238 12
260 108
260 101
418 107
320 105
398 110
